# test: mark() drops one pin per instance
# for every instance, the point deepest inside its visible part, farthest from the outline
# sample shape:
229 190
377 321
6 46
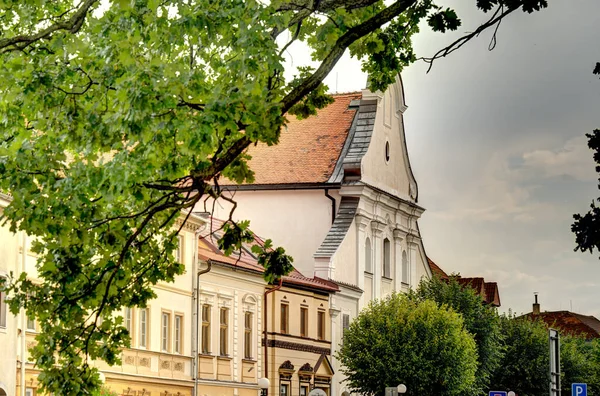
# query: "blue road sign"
499 393
579 389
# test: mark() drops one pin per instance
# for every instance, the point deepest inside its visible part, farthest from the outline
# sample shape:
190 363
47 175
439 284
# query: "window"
284 390
30 324
345 324
3 308
128 317
178 333
144 328
248 335
224 331
387 273
29 392
387 151
303 322
303 390
206 329
321 325
404 268
165 332
368 256
179 253
285 319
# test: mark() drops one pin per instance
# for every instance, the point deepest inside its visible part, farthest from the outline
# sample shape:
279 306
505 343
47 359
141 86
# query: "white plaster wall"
347 304
345 260
9 261
298 220
392 176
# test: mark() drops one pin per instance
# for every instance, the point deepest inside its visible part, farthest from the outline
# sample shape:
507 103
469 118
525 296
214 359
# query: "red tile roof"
208 250
436 270
570 323
309 149
487 290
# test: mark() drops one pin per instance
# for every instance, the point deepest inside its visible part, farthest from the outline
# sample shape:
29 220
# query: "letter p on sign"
579 389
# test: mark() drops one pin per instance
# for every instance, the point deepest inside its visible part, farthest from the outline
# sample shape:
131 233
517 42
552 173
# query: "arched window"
404 268
387 268
368 255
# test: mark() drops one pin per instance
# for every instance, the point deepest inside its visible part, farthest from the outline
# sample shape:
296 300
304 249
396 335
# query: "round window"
387 151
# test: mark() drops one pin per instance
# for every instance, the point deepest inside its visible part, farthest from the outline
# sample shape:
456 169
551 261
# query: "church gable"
386 165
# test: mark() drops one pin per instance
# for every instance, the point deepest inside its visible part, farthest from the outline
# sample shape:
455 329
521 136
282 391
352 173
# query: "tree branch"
72 25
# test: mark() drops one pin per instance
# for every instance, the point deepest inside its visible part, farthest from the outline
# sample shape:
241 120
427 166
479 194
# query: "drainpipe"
197 311
23 318
332 205
266 347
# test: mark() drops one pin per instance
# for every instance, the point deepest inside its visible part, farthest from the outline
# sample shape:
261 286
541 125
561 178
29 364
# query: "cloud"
573 159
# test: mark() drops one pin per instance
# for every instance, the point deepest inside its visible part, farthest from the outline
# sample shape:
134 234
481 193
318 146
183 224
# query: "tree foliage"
480 320
416 343
116 119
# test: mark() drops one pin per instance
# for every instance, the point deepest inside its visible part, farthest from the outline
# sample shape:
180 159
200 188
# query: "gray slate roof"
339 228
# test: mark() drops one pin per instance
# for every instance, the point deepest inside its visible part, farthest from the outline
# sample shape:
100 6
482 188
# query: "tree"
587 227
480 320
579 365
524 365
116 119
416 343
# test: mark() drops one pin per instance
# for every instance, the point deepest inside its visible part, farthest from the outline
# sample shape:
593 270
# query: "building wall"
293 347
9 262
298 220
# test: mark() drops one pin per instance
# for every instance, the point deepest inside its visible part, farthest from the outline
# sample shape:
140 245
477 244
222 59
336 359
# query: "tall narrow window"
144 328
206 329
284 390
248 335
224 332
3 309
321 325
345 324
368 256
285 318
30 324
178 333
404 268
166 332
303 322
179 255
128 320
387 273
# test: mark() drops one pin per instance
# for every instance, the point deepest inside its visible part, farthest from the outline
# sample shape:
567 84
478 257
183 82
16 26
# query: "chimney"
536 306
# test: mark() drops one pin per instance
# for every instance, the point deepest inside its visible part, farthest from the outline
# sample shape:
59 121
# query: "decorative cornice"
294 346
377 227
306 367
400 234
287 365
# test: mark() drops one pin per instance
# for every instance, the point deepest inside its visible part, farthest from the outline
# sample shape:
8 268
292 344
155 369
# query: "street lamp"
511 393
264 384
402 389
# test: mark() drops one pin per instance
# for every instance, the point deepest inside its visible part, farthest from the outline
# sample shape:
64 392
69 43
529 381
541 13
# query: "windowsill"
404 284
224 357
368 273
249 360
206 355
386 278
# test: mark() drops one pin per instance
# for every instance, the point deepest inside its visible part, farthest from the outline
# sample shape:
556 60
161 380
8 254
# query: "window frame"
144 328
180 246
165 331
368 256
284 318
387 259
405 269
248 327
321 326
3 309
304 322
224 331
178 334
205 337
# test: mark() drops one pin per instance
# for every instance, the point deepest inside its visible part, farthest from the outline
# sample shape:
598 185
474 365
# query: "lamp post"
511 393
264 384
402 389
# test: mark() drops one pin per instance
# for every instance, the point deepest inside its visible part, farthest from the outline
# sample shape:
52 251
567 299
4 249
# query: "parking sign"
497 393
579 389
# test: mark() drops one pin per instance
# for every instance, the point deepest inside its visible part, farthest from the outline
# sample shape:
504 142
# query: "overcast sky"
497 144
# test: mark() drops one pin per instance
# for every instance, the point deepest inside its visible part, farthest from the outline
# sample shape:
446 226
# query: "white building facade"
339 195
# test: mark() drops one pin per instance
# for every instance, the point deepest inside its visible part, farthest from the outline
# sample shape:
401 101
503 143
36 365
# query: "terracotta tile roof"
309 149
436 270
208 250
487 290
569 323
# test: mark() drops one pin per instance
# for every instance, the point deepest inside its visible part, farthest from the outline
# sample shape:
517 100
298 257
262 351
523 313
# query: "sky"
497 144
